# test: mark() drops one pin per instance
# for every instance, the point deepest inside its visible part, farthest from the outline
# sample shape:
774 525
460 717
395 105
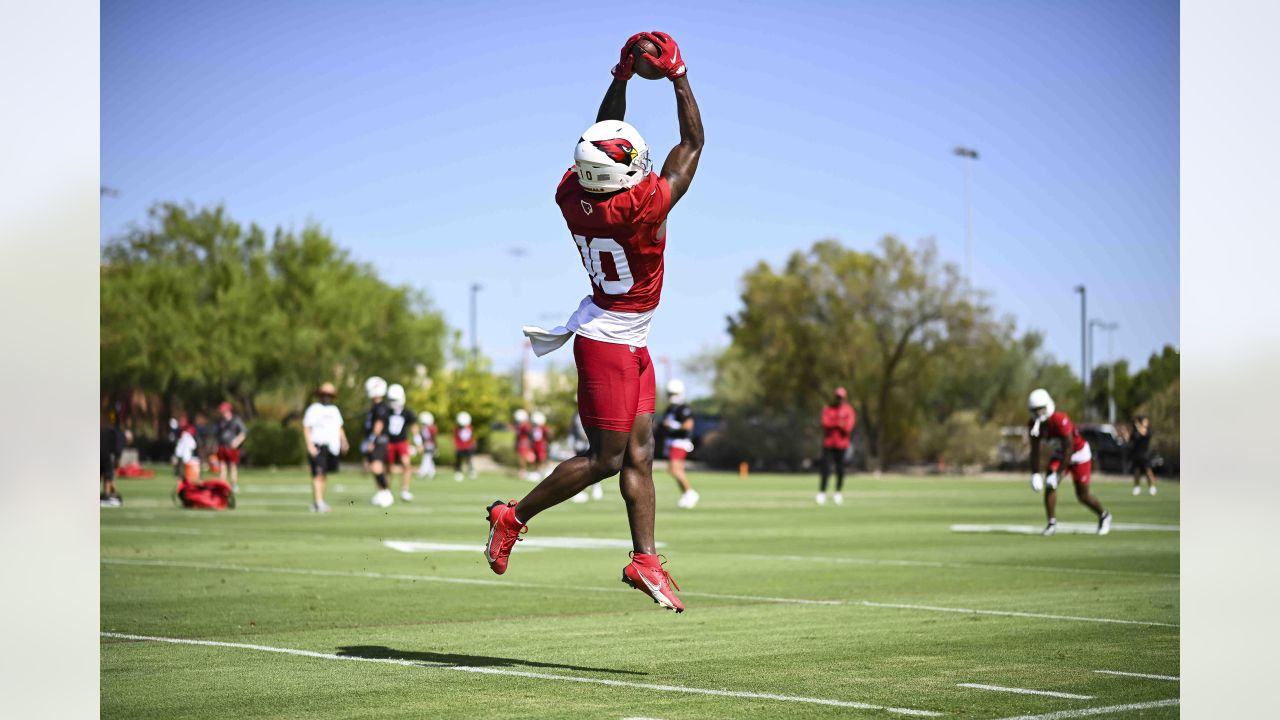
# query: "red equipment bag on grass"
209 494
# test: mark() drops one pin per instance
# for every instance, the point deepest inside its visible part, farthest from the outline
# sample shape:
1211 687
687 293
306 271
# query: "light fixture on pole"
968 154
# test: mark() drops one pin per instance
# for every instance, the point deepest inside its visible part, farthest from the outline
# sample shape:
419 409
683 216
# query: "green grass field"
874 609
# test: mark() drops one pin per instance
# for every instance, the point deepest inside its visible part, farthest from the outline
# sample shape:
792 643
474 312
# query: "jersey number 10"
592 250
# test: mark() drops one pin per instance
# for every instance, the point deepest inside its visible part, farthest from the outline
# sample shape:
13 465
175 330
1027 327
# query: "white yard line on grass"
956 565
1089 712
1014 613
1173 678
1025 691
1067 528
588 588
533 675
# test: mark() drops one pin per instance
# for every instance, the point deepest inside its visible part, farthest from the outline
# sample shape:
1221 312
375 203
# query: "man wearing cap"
837 425
326 440
231 434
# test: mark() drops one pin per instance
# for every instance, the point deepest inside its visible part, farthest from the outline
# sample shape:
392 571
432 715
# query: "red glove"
670 61
626 63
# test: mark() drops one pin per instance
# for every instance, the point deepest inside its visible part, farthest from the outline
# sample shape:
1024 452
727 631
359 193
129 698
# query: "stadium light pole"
1109 329
475 342
968 154
1084 350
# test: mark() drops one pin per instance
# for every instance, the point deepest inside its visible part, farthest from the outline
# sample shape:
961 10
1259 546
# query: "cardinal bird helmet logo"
619 150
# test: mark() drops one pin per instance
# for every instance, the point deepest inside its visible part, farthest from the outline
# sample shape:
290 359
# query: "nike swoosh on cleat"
656 592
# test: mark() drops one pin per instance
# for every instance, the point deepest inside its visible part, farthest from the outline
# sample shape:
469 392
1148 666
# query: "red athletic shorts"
540 451
615 384
397 450
1080 472
228 455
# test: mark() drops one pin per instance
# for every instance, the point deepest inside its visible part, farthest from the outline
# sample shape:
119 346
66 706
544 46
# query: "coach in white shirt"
326 440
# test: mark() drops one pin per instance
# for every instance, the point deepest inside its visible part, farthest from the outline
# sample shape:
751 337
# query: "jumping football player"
1045 423
677 431
402 425
616 209
427 440
374 445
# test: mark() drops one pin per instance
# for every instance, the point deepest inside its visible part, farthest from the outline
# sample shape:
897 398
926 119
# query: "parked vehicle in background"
702 425
1107 446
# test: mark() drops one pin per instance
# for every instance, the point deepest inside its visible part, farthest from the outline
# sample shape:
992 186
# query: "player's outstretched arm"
614 105
682 161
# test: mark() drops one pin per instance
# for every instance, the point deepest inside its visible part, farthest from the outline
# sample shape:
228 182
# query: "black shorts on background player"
324 462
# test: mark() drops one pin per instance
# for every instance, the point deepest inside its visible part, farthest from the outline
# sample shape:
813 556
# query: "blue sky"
429 137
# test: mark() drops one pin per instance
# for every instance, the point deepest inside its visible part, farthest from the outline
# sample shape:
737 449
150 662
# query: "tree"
873 322
917 350
196 308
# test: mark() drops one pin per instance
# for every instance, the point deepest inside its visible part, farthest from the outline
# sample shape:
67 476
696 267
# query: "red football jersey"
524 434
620 238
1060 426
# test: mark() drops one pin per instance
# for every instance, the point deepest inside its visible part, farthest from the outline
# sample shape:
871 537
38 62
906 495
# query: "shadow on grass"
379 652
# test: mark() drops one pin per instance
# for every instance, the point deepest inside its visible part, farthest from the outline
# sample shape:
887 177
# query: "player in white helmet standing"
374 446
1072 452
464 446
427 441
402 429
524 444
616 210
677 433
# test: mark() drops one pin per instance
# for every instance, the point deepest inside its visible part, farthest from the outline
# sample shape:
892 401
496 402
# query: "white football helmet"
539 418
611 156
375 387
1040 405
521 415
395 396
675 390
464 419
427 418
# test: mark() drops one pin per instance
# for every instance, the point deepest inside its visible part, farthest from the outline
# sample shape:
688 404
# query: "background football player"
231 434
616 209
374 445
402 426
677 433
838 419
464 445
524 444
427 440
1072 452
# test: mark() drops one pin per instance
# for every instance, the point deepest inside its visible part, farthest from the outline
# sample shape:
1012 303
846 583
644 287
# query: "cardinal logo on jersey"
619 150
587 207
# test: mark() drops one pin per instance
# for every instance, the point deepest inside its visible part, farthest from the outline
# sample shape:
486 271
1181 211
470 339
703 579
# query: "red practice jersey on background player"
620 238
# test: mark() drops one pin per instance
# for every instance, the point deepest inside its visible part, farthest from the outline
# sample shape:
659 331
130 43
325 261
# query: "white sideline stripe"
1025 691
956 565
1174 678
415 546
1067 528
532 675
1087 712
1015 613
720 596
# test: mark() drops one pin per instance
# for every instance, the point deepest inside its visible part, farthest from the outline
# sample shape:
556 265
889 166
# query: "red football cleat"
645 574
504 531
